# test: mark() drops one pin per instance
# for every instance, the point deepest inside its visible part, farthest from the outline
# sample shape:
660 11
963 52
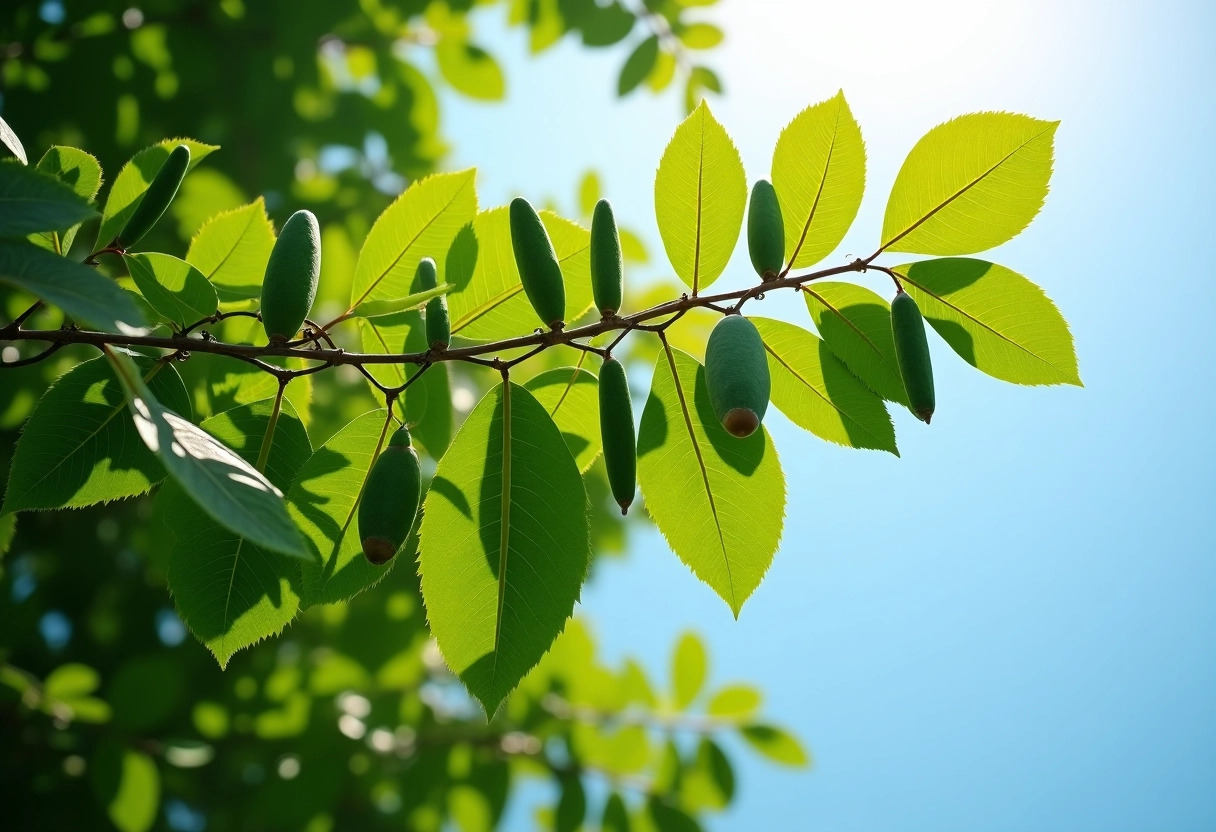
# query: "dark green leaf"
638 65
32 201
173 288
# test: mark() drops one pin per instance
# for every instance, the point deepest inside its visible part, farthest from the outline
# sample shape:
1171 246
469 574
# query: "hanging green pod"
607 264
617 432
912 355
292 272
539 271
736 374
156 198
389 505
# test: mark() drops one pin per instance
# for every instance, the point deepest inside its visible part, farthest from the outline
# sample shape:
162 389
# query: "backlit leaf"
505 543
817 392
689 667
470 69
79 171
856 325
700 192
734 702
231 250
970 184
128 784
995 319
135 177
718 500
570 395
819 173
173 288
776 744
84 295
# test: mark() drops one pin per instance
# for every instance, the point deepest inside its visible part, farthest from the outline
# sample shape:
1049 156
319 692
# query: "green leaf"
32 202
819 173
856 325
173 288
420 223
470 69
970 184
776 744
489 301
230 592
689 667
700 35
231 250
323 500
734 702
216 478
668 818
632 247
718 500
710 782
700 192
417 300
589 192
571 806
427 405
79 171
604 25
80 448
663 73
135 177
505 543
638 65
995 319
71 680
818 393
128 784
570 395
616 816
82 293
10 141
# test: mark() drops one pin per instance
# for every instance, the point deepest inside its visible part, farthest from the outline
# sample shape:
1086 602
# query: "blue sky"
1012 626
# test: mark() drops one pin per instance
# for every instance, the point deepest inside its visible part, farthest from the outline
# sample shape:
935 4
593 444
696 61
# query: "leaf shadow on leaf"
462 258
447 489
656 436
841 387
489 501
309 503
962 273
957 337
577 444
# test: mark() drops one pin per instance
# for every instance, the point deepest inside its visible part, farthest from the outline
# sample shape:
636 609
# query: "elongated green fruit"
607 265
617 433
389 504
157 198
765 231
438 322
537 261
912 354
290 284
736 373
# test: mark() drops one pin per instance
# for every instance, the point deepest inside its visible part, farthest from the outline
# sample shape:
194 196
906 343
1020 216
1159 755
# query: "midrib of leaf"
504 526
696 253
856 329
980 323
236 560
156 368
233 248
960 192
408 246
502 297
811 387
818 193
675 376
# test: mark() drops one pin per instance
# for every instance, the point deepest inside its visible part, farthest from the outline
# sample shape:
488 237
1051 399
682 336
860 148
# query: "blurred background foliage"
111 714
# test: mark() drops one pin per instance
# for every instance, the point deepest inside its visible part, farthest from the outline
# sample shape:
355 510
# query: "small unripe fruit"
765 231
157 198
736 374
389 504
617 433
912 354
290 284
539 271
438 322
607 265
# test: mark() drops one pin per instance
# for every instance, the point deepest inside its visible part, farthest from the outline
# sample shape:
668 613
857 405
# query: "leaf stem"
268 439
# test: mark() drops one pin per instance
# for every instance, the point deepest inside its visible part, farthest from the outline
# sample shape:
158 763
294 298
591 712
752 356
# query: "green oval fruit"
607 265
765 231
617 433
157 198
912 354
736 373
290 284
389 504
438 322
539 271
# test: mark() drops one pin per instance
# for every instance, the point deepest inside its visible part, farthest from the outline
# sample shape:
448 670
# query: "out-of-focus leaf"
571 806
734 702
638 65
700 35
470 69
775 744
604 25
689 667
589 191
128 784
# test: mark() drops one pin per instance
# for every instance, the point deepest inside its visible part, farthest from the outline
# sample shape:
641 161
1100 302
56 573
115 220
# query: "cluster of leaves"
350 721
346 100
505 535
